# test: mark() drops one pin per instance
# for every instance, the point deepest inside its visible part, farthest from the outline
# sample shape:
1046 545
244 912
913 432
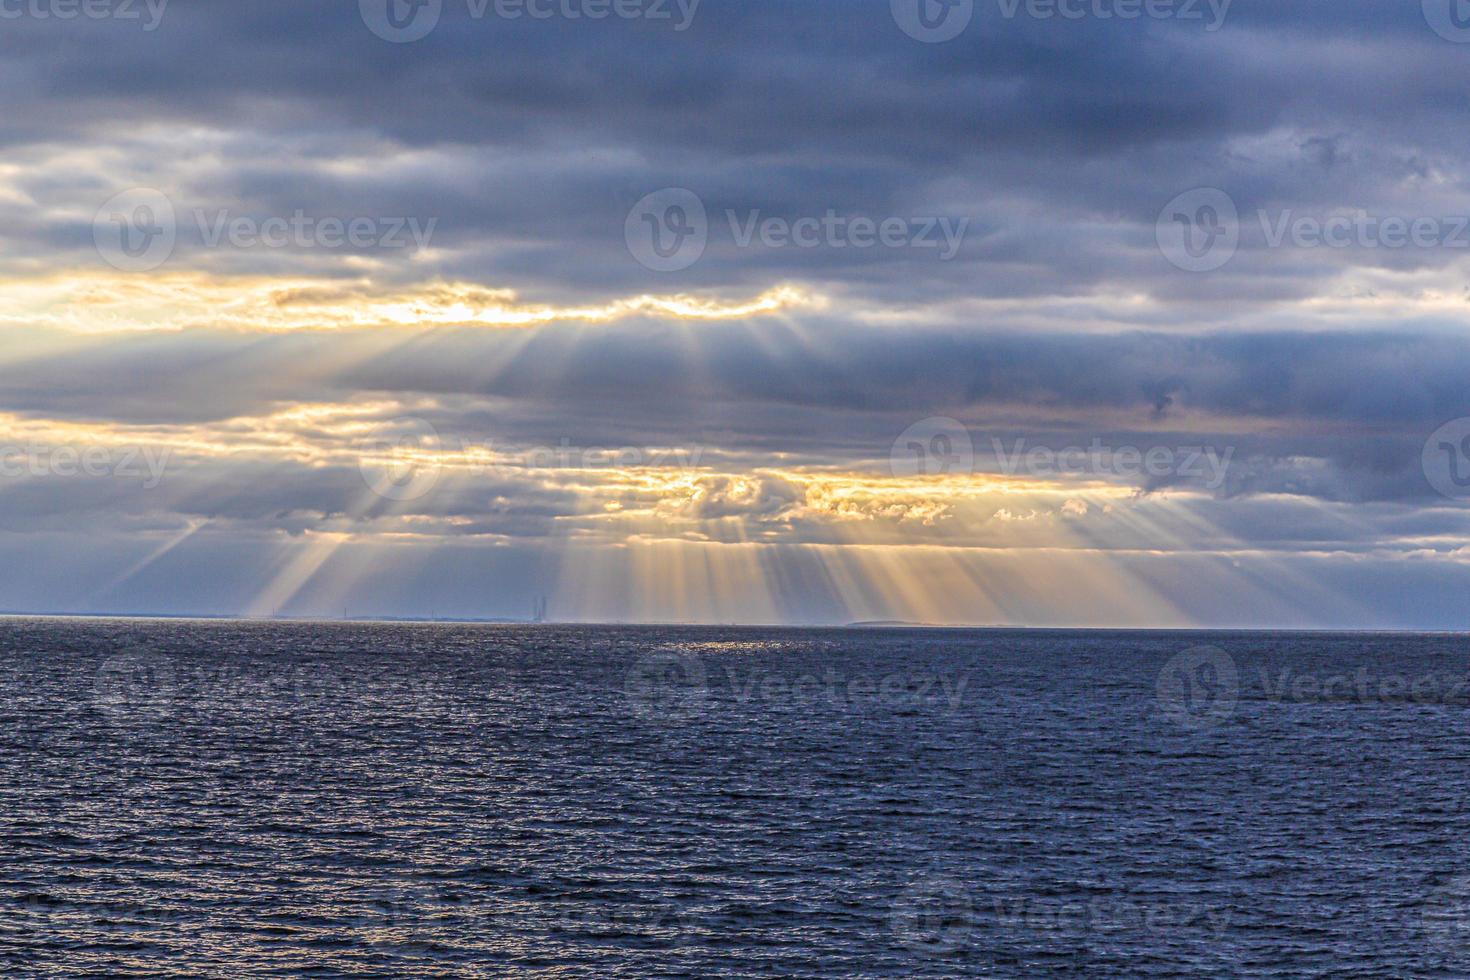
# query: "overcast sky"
1042 312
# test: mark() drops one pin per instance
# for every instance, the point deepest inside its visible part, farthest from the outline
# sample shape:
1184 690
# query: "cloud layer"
904 349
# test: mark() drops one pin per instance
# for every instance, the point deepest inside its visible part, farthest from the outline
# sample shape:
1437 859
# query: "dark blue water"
249 800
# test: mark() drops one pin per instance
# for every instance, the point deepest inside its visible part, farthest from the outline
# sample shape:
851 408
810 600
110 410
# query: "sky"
995 312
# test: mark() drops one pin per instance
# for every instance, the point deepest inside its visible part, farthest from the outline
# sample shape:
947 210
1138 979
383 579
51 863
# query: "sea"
253 799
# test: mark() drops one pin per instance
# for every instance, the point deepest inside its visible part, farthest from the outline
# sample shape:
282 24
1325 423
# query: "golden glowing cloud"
95 302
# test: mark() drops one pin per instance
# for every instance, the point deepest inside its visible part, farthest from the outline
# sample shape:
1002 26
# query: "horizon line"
874 626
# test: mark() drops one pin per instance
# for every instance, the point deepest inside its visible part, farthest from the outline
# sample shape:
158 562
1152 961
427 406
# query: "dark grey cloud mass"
1058 140
1365 403
1310 320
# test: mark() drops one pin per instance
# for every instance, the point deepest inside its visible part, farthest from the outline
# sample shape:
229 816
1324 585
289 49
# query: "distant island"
887 624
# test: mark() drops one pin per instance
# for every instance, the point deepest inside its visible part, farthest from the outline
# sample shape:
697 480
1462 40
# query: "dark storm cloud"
1335 416
1057 321
1364 381
1058 140
760 76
